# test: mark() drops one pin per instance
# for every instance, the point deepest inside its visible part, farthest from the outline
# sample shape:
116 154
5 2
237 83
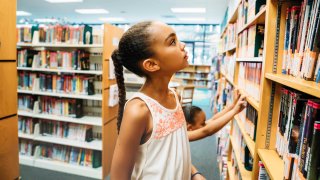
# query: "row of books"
301 41
229 40
248 9
67 154
251 42
72 131
222 149
228 64
249 117
70 34
298 133
51 82
191 75
76 60
263 174
249 78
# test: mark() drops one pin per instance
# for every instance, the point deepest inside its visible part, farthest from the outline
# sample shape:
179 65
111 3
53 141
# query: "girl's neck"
156 86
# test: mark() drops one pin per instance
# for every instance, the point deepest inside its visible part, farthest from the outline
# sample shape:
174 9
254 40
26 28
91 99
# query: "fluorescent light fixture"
64 1
112 19
45 20
192 19
92 11
188 10
23 13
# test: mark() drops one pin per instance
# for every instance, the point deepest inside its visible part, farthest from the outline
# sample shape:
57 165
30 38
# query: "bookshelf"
278 75
197 75
9 166
97 113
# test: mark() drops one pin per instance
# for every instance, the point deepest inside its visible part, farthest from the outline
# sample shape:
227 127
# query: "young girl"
199 128
153 141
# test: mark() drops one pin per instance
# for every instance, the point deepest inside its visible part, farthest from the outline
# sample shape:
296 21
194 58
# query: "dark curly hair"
134 46
190 112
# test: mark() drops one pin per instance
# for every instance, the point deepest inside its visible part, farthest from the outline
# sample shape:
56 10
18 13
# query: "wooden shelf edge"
232 18
230 170
255 20
245 174
308 87
272 162
248 59
250 143
227 78
254 103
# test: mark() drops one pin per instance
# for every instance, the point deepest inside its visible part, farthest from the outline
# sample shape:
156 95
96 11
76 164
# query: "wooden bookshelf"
308 87
9 150
272 162
106 122
254 103
245 174
232 18
259 18
193 70
249 142
255 59
230 170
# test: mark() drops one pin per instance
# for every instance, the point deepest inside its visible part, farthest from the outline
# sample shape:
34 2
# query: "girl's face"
199 121
169 51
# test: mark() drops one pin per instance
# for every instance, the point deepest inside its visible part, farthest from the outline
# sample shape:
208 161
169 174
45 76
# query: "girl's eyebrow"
170 35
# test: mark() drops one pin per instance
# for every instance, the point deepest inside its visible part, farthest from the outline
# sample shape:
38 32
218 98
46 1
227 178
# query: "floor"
203 153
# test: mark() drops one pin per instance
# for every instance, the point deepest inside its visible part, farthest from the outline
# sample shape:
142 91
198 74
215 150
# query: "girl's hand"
240 105
236 96
198 177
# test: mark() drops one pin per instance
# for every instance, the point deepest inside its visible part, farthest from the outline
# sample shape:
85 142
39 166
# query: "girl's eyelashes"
173 42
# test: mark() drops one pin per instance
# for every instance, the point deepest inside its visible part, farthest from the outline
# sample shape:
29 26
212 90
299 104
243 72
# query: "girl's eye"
173 42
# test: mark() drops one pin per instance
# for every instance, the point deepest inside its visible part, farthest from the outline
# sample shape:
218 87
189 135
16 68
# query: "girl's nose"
182 45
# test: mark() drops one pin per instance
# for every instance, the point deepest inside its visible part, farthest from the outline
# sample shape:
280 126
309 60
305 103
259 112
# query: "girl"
199 128
153 141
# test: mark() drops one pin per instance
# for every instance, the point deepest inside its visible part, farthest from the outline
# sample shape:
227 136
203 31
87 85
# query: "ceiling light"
92 11
192 19
23 13
112 19
188 10
64 1
45 20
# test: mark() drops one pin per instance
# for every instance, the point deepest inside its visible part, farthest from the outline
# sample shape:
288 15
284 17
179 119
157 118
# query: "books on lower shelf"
228 66
263 174
301 41
298 134
251 42
249 118
249 78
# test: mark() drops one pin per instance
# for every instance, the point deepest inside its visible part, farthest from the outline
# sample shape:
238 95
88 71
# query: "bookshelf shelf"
230 170
272 162
94 145
309 87
258 19
227 78
233 48
233 18
95 173
62 45
254 103
244 173
93 72
89 120
254 59
250 143
26 160
97 97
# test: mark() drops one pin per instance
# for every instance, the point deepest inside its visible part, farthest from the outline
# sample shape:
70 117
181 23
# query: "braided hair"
190 112
134 46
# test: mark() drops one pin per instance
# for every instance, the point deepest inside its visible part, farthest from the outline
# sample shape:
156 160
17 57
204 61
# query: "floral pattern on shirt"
168 121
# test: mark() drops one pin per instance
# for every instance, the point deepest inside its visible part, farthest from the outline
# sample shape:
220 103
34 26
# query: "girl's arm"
216 125
134 123
227 109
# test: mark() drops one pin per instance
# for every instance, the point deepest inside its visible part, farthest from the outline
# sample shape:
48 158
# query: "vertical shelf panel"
8 89
9 155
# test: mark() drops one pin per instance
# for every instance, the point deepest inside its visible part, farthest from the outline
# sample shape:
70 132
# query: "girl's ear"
189 127
150 65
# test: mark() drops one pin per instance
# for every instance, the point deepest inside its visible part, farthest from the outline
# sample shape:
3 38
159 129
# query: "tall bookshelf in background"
262 133
67 105
9 166
197 75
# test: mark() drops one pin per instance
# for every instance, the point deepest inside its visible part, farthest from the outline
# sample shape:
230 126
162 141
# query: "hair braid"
120 81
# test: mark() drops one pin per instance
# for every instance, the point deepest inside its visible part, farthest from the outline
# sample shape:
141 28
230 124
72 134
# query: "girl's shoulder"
136 108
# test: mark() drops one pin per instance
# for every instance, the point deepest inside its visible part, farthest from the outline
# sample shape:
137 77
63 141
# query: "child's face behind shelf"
169 51
199 121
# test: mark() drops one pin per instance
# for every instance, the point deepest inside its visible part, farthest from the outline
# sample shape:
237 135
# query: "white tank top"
166 155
